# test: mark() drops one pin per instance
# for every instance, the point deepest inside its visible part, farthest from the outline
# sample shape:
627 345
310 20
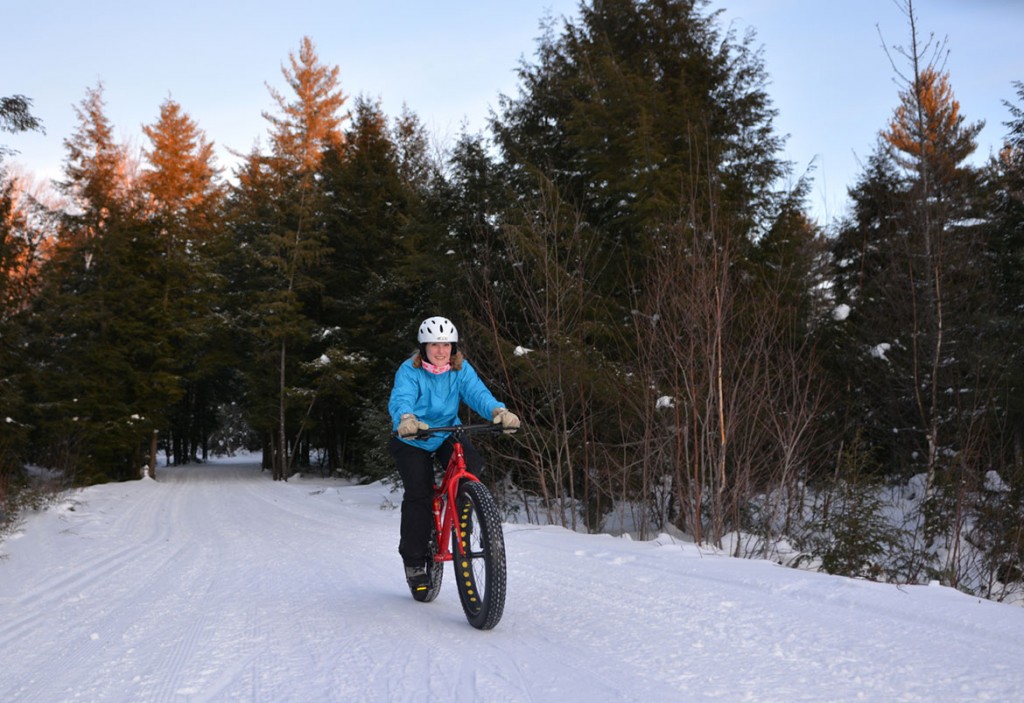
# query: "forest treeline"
626 268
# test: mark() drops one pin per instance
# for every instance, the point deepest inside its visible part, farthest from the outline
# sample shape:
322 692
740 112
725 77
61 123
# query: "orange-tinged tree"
99 175
277 208
912 269
102 376
312 122
19 253
23 244
928 130
184 200
181 176
931 141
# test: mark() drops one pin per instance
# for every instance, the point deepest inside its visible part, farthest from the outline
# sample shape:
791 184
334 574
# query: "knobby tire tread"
481 578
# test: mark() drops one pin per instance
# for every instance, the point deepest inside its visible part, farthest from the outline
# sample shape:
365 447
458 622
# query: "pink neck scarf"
437 370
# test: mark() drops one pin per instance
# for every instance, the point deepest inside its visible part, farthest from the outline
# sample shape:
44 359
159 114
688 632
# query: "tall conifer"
183 210
644 161
103 369
276 217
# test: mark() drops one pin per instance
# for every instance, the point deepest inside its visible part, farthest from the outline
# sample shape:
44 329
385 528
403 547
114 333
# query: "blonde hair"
417 361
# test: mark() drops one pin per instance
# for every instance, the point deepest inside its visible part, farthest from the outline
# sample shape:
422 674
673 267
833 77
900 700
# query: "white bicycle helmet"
437 329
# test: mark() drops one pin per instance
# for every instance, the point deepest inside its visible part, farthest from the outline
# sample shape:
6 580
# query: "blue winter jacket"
435 398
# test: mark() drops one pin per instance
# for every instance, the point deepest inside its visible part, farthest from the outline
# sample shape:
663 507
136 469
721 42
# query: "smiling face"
439 353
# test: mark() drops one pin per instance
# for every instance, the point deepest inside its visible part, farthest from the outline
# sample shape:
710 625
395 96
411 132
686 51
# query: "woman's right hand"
409 424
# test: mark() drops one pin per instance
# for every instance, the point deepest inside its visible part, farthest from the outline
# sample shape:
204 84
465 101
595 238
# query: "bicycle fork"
444 507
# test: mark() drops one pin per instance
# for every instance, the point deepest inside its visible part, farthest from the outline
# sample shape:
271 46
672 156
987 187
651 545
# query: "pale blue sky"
448 61
834 85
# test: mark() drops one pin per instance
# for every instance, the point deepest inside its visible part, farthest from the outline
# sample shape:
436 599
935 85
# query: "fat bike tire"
480 566
435 573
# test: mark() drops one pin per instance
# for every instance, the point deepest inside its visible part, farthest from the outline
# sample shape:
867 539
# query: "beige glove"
409 425
509 421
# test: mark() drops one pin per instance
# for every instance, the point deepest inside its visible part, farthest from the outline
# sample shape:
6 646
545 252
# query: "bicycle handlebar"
495 428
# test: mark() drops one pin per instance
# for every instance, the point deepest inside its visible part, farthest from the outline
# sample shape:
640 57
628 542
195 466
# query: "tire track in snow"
89 568
73 622
174 566
88 579
243 589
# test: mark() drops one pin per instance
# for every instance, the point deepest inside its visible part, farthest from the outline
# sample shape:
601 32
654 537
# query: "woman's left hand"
509 421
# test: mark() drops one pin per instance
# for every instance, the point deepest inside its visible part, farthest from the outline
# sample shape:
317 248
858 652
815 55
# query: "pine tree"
16 116
387 261
864 344
312 122
643 158
184 208
16 273
98 173
913 270
21 241
931 141
1006 203
101 361
634 111
929 134
276 218
23 245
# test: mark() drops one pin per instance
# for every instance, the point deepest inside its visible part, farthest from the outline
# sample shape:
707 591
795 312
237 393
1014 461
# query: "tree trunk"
281 458
152 453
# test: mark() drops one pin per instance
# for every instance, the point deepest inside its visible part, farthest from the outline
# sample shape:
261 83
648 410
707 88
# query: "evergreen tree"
913 270
102 366
637 109
1006 203
383 255
859 345
20 239
21 242
17 271
277 225
930 135
24 227
16 116
99 176
184 204
312 121
921 279
643 158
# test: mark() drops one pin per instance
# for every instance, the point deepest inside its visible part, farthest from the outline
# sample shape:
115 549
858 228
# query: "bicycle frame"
464 512
445 492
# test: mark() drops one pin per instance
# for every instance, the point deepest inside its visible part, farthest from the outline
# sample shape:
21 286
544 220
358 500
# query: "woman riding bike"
429 388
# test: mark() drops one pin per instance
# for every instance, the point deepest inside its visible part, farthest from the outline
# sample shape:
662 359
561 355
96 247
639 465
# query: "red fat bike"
467 532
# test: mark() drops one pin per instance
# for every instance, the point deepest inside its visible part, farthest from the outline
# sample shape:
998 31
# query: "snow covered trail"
216 584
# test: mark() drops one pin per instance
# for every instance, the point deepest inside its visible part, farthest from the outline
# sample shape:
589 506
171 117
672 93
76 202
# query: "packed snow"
214 583
879 351
841 312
